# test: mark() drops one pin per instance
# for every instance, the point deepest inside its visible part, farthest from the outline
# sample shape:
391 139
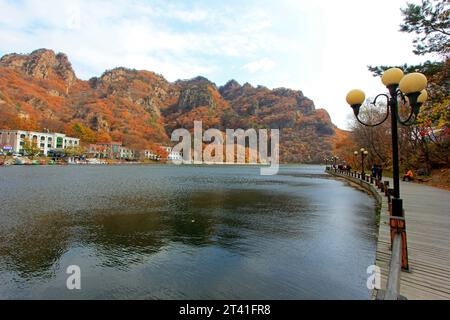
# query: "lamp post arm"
412 115
410 121
374 103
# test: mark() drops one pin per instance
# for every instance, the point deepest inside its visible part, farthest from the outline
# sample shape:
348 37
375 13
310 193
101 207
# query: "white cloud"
320 47
354 34
131 34
189 16
264 64
74 19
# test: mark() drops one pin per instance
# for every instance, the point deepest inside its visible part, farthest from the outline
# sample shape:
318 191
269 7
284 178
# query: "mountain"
141 108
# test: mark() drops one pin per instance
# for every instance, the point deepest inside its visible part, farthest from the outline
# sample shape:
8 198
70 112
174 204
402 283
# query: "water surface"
166 232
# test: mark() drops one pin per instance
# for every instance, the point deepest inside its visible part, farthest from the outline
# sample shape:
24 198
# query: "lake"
183 232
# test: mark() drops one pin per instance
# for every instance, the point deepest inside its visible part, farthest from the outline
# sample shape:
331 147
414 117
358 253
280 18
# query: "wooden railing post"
398 226
393 284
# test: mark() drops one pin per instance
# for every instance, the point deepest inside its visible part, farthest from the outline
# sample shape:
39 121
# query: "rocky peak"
64 68
13 61
196 92
200 79
144 88
126 77
230 90
231 85
197 81
118 74
284 92
247 86
41 64
195 95
115 75
262 88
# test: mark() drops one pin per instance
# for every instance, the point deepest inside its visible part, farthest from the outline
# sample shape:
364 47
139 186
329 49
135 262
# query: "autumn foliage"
140 108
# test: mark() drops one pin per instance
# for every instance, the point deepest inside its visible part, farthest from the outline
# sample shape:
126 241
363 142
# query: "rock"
41 64
97 123
54 93
195 96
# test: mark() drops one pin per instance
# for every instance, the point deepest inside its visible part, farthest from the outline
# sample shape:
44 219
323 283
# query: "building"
151 155
45 141
127 154
111 150
105 150
98 151
172 155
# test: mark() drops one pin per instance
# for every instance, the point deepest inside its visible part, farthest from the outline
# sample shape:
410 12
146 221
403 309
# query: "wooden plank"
427 225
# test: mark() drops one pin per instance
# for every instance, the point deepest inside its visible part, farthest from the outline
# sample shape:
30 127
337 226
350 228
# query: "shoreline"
381 208
206 164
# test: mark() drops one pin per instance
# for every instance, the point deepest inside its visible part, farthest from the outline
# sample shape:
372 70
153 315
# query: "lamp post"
335 159
329 162
364 154
355 159
411 90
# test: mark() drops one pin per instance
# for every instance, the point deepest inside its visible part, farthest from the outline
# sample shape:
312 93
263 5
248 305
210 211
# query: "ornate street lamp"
409 89
355 159
364 154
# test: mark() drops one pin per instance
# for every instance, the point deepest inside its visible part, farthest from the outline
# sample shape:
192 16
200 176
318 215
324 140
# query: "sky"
321 47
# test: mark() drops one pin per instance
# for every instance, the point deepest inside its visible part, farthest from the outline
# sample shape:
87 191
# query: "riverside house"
171 155
111 150
45 141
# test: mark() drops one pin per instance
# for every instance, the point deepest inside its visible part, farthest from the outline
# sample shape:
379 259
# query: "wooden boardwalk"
428 231
427 213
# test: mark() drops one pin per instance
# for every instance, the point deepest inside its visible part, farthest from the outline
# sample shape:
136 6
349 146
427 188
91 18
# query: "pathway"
428 231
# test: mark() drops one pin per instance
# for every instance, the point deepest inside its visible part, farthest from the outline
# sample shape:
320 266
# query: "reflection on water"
183 232
34 247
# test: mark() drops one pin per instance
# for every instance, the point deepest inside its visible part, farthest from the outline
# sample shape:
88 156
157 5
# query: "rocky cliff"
141 108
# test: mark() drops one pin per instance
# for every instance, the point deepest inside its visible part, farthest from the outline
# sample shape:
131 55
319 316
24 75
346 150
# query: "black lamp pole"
410 89
336 158
397 208
363 171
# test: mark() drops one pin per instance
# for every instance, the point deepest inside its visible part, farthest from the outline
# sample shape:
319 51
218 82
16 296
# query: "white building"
173 155
151 155
45 141
127 154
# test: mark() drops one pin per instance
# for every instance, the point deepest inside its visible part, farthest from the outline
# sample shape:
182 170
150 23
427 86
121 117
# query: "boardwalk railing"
392 291
395 268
